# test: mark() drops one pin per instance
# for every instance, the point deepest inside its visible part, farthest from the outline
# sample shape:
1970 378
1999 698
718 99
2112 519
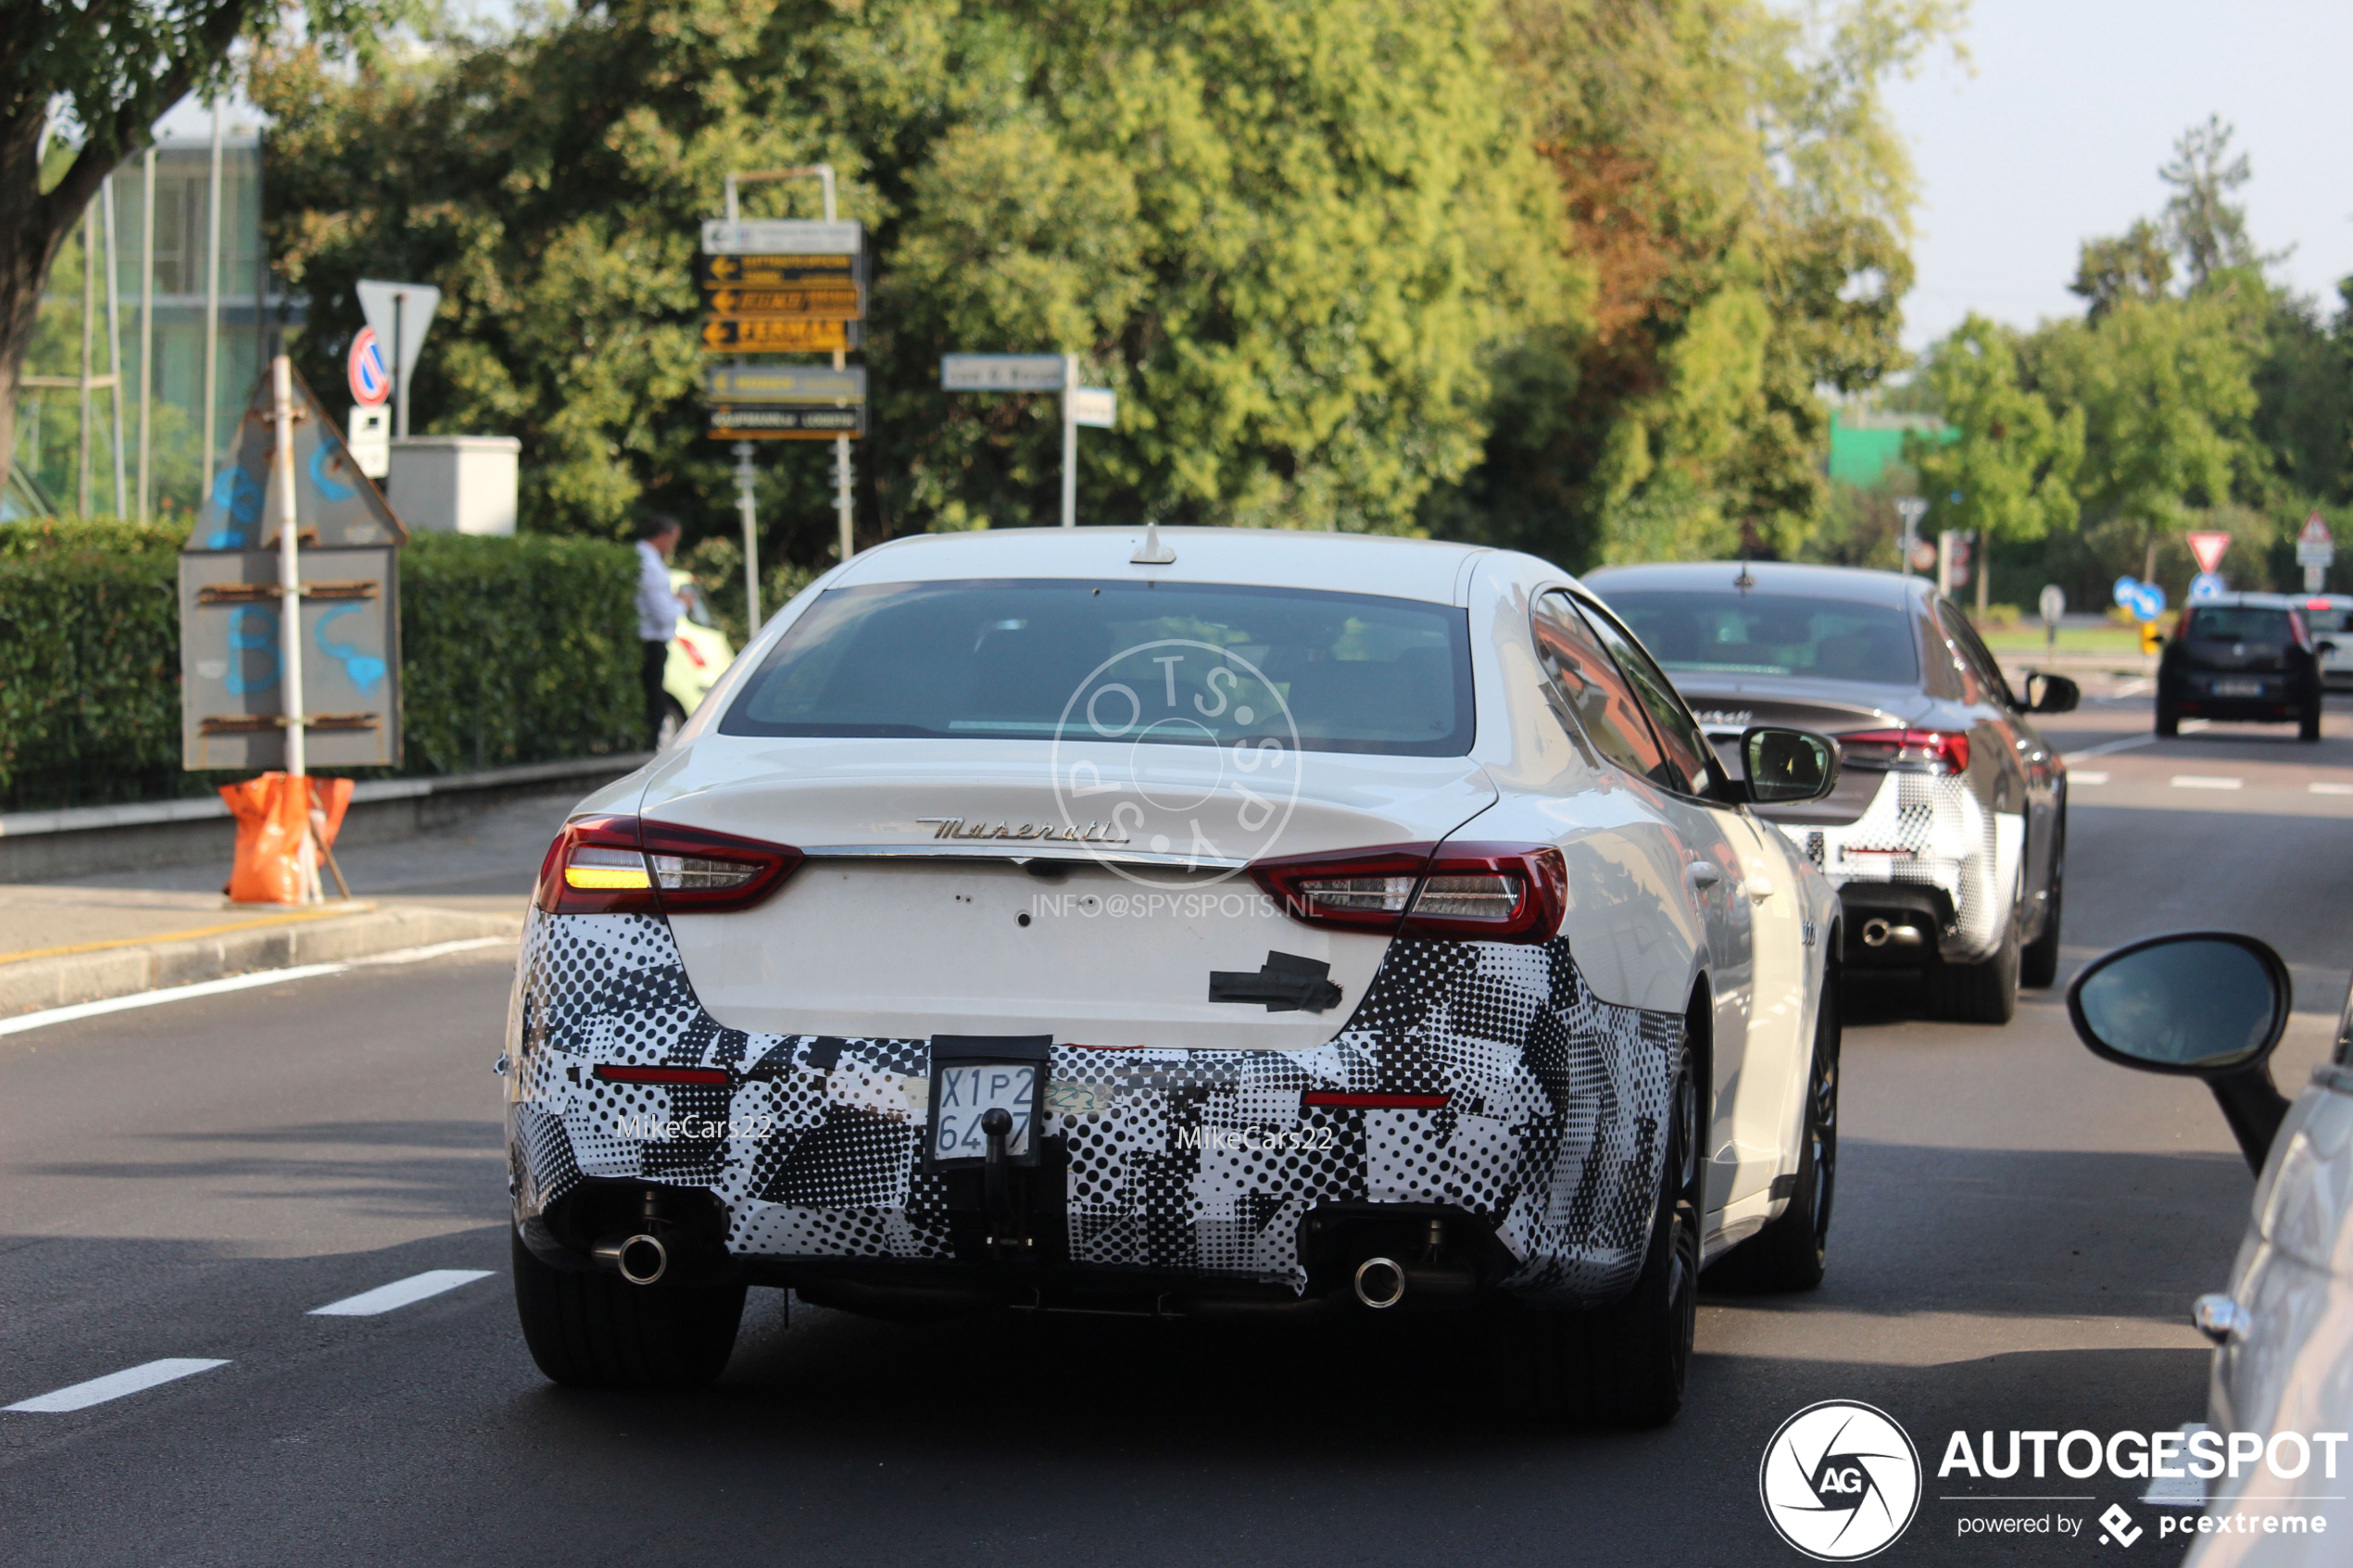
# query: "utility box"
455 483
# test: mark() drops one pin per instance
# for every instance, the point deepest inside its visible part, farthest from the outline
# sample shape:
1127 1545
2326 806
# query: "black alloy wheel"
2038 963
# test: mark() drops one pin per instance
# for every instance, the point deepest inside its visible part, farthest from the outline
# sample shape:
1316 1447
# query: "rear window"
1768 634
1008 659
2238 623
2326 619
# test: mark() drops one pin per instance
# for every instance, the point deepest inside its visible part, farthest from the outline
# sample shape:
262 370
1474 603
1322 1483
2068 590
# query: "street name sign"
845 302
784 383
1000 373
1095 407
778 335
780 236
778 272
784 422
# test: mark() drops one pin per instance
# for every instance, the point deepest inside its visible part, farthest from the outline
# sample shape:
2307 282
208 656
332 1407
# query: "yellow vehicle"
699 654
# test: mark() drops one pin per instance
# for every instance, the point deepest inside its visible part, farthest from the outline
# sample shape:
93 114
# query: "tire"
1788 1253
2038 963
1626 1365
1983 992
2167 721
674 718
2309 727
598 1331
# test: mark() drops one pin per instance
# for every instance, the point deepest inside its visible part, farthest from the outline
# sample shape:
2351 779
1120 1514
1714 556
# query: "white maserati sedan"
1186 922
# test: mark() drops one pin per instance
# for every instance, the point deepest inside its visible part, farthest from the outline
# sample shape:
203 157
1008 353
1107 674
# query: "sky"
2055 132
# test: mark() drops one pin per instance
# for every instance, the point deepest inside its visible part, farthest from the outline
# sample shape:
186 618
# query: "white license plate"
2238 688
965 1094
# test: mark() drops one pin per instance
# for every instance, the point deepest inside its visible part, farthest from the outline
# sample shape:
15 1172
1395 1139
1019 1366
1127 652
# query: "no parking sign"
370 374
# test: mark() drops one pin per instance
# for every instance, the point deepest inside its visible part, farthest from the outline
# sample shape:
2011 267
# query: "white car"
1208 921
2213 1005
2329 617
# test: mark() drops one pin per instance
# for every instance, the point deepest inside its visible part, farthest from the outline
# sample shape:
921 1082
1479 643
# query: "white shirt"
657 601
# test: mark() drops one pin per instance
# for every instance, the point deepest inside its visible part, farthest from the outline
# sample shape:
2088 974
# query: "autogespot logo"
1839 1480
1176 763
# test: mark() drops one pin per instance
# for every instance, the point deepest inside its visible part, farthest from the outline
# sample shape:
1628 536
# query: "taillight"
674 1077
1909 751
627 865
1485 892
1343 1100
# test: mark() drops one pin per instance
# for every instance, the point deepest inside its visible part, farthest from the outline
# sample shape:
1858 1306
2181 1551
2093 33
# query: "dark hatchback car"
2243 657
1946 835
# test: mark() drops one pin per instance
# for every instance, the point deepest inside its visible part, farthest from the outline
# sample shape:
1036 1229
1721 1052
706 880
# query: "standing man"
658 608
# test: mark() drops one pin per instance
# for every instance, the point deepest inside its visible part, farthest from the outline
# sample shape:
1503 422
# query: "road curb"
33 985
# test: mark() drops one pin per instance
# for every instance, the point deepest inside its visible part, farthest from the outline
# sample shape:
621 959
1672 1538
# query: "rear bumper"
1926 843
1179 1172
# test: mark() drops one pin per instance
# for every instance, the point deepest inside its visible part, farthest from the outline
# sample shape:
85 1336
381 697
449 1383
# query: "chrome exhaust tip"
1379 1283
641 1260
1875 933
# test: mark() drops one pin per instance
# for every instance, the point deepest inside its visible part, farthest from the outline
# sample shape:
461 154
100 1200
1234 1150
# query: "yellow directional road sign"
778 335
819 303
777 271
737 422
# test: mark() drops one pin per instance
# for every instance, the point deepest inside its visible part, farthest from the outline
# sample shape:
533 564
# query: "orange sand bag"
269 834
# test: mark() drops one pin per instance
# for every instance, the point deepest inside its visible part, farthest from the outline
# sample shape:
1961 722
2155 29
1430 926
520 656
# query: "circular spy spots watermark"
1839 1480
1176 761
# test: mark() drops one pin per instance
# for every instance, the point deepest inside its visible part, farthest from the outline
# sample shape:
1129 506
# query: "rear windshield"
2327 620
1170 662
2238 623
1767 634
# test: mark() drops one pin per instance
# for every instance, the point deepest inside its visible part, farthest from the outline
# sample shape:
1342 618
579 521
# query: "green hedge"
512 650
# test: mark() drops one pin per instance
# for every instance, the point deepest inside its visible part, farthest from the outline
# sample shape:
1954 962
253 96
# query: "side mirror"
2209 1004
2051 694
1787 766
2324 647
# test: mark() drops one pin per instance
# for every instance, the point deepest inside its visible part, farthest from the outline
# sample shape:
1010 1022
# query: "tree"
2136 265
2012 462
113 66
2205 225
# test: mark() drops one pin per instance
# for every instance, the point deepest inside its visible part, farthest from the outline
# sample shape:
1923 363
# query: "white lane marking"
169 994
2204 781
236 983
115 1384
2133 687
2105 747
2085 776
400 1293
2331 788
2190 726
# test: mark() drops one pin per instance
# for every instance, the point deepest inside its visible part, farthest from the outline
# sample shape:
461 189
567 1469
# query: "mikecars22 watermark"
663 1130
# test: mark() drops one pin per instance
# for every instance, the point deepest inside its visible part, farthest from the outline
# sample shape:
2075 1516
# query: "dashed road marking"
400 1293
115 1384
2085 776
2331 788
2105 747
2205 781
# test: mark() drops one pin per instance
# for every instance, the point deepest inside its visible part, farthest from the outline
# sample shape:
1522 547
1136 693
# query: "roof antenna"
1151 552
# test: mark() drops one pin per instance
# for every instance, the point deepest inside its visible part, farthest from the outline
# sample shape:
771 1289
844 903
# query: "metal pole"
1983 567
114 344
147 327
748 508
211 306
1070 442
842 492
89 326
289 566
399 381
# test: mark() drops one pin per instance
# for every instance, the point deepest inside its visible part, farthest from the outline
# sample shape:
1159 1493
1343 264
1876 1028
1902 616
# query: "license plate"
962 1093
2238 688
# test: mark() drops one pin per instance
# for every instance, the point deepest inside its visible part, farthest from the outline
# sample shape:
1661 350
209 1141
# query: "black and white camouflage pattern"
1177 1159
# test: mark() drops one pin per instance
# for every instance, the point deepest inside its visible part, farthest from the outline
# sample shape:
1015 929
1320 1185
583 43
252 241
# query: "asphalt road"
2020 1230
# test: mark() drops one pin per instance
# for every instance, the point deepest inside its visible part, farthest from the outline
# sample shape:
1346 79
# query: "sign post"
1911 508
783 286
1094 406
290 606
400 314
2315 552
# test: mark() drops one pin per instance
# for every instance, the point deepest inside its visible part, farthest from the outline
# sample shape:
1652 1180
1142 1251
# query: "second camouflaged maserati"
1201 922
1946 837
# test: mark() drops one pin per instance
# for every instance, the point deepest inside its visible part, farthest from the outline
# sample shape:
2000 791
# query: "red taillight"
1342 1099
2315 604
1911 751
627 865
677 1077
1484 892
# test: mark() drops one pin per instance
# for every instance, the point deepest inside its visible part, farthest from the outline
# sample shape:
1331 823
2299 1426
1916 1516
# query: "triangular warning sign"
2208 548
335 503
